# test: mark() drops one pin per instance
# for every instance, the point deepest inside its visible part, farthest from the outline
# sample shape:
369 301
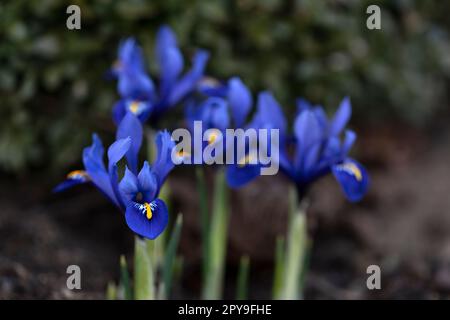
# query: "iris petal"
269 114
128 186
163 163
353 178
95 168
119 111
137 220
148 184
130 126
69 183
190 79
171 65
240 100
237 176
349 140
118 150
341 117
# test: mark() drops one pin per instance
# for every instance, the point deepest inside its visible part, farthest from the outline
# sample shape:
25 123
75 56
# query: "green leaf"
296 245
242 279
111 291
144 286
217 238
125 279
279 267
204 216
169 260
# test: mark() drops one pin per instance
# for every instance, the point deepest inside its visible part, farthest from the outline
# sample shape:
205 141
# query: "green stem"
125 279
279 268
204 218
217 238
144 285
242 279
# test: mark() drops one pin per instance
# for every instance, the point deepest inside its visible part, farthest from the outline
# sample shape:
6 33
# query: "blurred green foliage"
53 94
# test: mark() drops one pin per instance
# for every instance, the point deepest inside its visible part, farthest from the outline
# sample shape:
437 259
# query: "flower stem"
217 239
242 279
204 217
144 286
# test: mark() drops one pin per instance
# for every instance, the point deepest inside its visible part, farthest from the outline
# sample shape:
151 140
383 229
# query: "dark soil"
403 225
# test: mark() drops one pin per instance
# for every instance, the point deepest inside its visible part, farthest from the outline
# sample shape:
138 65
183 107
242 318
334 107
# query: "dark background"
53 95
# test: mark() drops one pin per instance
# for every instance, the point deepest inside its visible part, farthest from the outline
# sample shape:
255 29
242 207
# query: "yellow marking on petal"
134 106
245 160
182 154
352 169
148 211
213 137
213 82
77 174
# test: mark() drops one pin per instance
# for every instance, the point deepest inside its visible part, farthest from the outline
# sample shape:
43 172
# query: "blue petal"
188 82
349 140
129 186
135 85
341 117
130 126
130 55
119 111
148 184
307 130
163 163
353 178
137 221
171 65
218 111
165 38
237 176
269 114
118 150
212 87
95 168
74 178
240 100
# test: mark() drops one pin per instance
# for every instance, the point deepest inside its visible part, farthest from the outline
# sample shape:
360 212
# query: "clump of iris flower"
136 88
318 146
136 194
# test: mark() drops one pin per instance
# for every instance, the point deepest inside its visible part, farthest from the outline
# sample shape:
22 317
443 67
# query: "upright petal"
307 129
349 140
130 126
128 186
95 168
118 150
269 114
135 85
341 117
188 82
171 65
165 38
163 163
353 179
240 100
115 153
147 220
148 184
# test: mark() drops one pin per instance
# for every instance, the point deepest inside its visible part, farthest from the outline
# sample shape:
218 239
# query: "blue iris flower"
136 194
226 107
136 88
315 149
